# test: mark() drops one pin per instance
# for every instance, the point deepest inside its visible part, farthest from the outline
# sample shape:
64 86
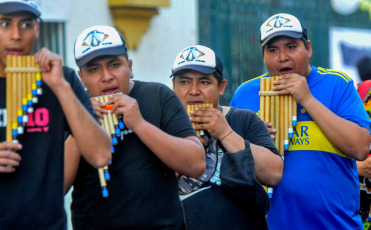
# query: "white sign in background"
347 47
54 10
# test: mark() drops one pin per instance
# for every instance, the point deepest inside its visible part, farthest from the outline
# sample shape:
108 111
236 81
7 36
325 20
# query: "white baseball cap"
198 58
15 6
281 25
98 41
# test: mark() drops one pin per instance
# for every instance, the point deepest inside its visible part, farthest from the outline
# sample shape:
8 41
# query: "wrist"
139 126
221 139
61 88
307 103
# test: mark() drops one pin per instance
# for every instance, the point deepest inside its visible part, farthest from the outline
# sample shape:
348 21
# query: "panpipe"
23 85
113 126
194 107
281 111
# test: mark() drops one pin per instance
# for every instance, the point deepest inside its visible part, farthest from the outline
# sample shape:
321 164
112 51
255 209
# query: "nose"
16 33
106 75
194 88
283 56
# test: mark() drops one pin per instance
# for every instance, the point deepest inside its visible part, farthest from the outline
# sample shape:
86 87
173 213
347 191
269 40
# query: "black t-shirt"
214 207
32 196
142 190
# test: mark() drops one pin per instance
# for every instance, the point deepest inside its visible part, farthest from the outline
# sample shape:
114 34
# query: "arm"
9 159
72 153
84 128
348 137
183 155
268 165
71 162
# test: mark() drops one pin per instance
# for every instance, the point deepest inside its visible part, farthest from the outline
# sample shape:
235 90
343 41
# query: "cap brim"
291 34
198 68
112 51
15 7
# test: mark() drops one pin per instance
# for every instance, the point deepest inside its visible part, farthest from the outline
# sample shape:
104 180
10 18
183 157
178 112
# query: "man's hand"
295 85
129 108
98 107
9 159
364 167
51 66
212 120
271 130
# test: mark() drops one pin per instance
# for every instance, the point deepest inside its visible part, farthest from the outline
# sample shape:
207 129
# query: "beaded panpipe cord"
113 126
23 85
280 110
194 107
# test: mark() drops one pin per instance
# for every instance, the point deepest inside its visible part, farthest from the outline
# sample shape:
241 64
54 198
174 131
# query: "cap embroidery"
278 22
193 54
95 38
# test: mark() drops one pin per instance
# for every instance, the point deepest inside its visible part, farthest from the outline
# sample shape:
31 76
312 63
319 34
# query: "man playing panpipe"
31 171
159 141
319 187
239 151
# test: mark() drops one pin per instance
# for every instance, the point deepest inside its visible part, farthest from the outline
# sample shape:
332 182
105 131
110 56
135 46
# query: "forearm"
348 137
183 155
91 139
232 142
71 162
268 165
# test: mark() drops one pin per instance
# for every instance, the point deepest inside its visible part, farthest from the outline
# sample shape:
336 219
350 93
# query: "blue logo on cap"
191 54
278 22
94 38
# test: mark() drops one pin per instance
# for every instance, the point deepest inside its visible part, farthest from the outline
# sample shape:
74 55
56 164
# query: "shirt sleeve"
175 120
247 96
350 106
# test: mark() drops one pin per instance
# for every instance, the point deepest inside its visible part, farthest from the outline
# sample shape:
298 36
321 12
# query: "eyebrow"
94 62
293 42
4 18
185 77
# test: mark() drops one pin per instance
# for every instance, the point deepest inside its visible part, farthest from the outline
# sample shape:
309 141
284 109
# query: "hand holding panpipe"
23 85
113 126
194 107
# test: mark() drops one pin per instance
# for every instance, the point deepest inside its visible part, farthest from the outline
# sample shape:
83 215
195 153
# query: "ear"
222 87
130 63
309 52
173 81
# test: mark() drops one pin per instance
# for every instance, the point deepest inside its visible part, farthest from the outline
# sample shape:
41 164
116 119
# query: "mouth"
194 102
110 91
14 51
286 70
